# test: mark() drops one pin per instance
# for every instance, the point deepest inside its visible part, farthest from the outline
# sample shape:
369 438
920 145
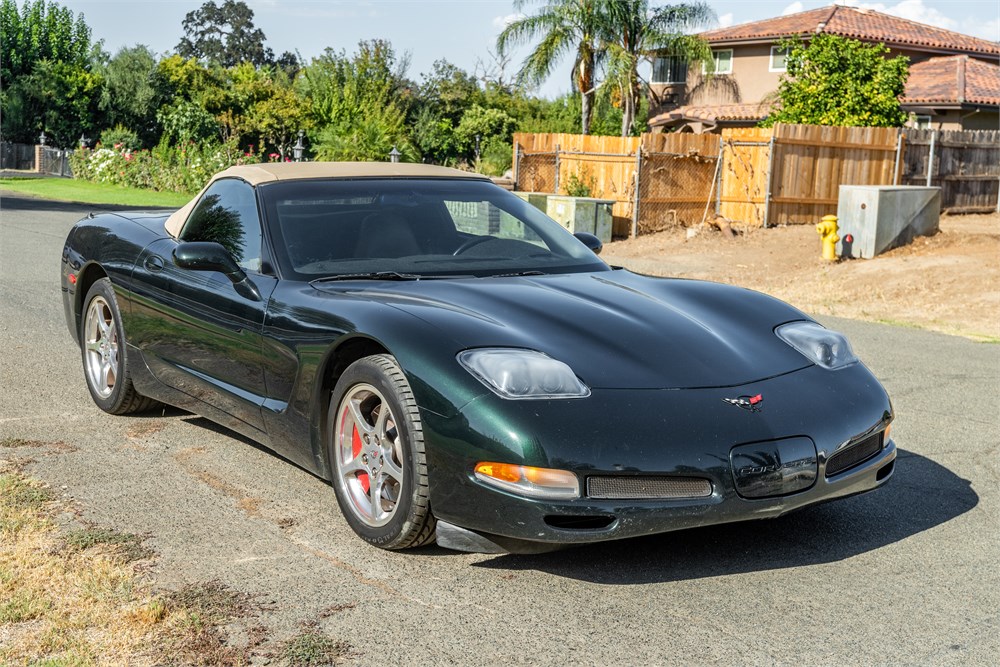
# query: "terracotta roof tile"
856 23
953 80
714 114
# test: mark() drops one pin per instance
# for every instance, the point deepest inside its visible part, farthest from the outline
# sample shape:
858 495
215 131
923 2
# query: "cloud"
501 22
914 10
984 29
726 20
793 8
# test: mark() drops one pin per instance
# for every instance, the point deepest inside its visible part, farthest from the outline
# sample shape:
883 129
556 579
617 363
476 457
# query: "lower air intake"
853 455
647 488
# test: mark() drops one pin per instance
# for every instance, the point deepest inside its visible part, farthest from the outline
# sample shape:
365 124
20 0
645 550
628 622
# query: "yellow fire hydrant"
828 235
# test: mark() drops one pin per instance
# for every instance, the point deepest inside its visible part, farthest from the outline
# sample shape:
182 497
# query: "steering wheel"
471 242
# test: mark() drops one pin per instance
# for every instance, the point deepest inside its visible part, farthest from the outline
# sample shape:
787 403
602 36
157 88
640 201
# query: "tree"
45 68
449 90
563 26
58 98
493 128
633 31
259 107
358 104
224 35
42 31
832 80
132 92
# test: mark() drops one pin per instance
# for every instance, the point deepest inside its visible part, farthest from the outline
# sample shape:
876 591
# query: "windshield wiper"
387 275
373 275
517 274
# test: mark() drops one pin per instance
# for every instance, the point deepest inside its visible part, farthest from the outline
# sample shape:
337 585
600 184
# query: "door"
195 332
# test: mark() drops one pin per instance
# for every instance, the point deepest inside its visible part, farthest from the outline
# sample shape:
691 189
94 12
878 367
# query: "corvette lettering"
751 403
758 470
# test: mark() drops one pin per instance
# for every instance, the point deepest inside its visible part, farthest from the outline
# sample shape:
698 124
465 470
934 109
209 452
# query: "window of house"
227 214
669 69
723 59
922 122
779 59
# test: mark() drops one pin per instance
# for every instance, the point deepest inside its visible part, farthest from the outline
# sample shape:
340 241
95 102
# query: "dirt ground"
949 282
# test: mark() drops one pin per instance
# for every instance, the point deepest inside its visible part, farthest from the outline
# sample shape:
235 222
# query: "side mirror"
211 256
207 256
590 241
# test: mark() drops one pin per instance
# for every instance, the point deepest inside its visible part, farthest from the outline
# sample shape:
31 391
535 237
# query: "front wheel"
105 359
377 449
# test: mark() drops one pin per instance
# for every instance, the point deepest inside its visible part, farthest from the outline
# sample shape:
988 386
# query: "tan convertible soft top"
255 174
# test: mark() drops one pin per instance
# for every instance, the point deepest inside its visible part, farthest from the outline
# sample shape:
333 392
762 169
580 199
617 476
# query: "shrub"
120 137
580 185
185 168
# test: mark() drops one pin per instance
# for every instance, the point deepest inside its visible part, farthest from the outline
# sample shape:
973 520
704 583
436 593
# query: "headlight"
826 348
521 374
529 481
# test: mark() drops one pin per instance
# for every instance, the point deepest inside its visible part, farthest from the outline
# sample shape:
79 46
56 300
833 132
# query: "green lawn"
72 190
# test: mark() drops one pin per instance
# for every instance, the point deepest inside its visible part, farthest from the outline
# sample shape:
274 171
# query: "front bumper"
690 433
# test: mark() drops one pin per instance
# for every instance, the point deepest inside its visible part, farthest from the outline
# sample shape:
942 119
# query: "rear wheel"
105 359
377 449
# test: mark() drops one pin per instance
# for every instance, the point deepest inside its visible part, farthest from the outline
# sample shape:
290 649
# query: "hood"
614 329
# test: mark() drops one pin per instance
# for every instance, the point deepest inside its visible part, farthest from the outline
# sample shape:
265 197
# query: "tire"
105 355
376 447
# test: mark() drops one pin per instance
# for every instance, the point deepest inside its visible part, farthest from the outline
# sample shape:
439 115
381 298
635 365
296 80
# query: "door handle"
153 263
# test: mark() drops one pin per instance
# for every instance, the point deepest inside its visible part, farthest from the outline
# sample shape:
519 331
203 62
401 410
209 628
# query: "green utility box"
537 199
582 214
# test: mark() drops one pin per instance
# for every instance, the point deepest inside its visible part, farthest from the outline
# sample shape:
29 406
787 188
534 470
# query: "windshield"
414 227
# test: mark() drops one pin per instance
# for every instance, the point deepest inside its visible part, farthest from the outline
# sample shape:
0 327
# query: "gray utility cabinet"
582 214
537 199
881 217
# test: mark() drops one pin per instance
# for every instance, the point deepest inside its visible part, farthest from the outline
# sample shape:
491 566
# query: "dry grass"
311 647
195 632
77 599
63 606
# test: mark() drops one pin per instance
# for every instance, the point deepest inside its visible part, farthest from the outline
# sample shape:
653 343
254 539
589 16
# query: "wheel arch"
88 275
339 357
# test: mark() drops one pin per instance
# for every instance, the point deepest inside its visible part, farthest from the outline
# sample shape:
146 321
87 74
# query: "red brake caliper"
356 449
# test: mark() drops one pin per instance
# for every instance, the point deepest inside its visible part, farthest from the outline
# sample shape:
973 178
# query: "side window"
779 59
227 214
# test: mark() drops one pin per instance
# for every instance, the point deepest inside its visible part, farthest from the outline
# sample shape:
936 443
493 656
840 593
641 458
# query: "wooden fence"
810 163
760 177
966 165
675 173
605 164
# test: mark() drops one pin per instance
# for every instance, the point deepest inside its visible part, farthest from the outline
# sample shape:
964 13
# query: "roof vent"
820 26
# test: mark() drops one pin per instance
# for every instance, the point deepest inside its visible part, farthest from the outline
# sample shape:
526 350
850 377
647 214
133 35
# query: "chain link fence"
674 189
537 172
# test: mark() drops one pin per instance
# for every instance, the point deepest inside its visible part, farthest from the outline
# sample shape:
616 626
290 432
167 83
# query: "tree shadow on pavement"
921 495
17 202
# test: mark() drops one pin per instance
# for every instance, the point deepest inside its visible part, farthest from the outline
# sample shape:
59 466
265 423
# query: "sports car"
460 367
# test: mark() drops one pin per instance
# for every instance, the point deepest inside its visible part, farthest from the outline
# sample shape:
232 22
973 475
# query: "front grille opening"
885 471
647 487
854 455
564 522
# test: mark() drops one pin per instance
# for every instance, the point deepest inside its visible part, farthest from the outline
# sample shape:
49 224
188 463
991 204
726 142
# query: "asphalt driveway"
907 575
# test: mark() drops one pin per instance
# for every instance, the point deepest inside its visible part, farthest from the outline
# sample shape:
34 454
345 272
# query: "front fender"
99 246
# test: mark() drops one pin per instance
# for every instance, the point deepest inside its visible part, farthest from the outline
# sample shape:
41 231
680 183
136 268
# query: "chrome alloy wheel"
369 455
100 338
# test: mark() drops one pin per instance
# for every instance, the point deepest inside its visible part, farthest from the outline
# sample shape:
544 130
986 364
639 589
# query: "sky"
461 31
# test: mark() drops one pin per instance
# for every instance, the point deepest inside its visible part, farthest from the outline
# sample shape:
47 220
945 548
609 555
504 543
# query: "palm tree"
634 31
564 26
